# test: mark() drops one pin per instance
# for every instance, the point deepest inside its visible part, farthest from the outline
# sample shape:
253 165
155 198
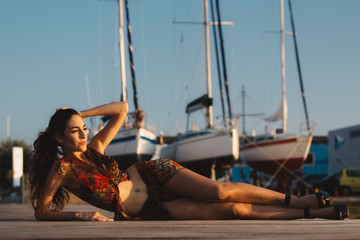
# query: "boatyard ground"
17 222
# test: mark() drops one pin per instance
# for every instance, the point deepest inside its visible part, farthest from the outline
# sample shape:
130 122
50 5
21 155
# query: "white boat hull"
268 156
200 149
132 145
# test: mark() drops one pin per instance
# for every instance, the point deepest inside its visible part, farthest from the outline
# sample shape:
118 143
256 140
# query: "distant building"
344 148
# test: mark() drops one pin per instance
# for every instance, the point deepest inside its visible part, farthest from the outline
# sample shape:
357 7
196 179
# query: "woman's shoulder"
62 166
92 153
100 159
92 150
62 160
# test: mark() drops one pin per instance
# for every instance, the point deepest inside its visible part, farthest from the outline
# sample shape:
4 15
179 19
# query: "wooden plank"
17 222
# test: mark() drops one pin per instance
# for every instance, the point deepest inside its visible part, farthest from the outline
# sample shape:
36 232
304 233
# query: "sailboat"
209 149
279 153
133 142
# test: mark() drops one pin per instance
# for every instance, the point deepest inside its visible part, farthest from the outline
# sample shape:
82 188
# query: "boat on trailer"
280 153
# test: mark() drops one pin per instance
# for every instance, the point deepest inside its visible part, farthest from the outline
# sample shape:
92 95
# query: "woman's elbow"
40 214
125 106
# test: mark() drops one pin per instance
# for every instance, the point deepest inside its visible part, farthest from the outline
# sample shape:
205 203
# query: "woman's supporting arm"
117 111
43 212
46 214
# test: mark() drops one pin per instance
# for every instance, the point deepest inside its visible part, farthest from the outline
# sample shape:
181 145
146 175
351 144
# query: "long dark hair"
46 151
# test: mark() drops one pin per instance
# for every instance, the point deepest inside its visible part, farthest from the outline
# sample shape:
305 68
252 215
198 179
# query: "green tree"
6 160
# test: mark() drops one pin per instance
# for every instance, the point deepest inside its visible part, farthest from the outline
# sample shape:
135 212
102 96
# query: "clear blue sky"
47 47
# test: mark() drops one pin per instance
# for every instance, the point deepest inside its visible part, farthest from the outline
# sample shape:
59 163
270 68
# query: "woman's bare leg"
193 209
192 185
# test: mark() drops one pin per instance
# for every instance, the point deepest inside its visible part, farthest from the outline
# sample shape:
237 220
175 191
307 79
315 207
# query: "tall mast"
226 81
298 67
122 51
243 110
208 67
131 58
284 120
7 128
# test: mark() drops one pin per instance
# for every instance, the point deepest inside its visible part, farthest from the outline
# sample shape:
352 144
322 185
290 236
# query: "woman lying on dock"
151 190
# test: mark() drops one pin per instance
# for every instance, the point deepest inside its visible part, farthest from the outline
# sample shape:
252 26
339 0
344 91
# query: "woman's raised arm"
117 111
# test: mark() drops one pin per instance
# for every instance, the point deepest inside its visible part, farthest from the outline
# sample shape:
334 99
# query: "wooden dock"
17 222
